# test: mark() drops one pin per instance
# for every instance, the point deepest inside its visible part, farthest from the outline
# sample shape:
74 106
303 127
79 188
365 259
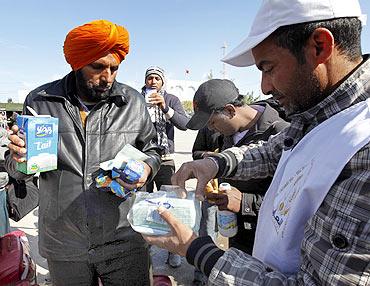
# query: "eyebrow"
262 63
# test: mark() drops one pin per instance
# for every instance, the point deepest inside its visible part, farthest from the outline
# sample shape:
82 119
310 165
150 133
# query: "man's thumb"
169 218
165 214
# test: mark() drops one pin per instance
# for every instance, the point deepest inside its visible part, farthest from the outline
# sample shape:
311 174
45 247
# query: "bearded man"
83 231
313 226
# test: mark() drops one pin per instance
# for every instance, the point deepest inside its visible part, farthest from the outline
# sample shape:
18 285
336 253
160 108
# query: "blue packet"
131 172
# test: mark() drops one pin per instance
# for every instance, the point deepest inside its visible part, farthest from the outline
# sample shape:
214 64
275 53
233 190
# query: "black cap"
211 95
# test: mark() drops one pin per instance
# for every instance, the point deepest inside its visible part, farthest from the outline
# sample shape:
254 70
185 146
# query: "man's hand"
203 170
180 238
208 153
227 200
17 146
139 183
157 99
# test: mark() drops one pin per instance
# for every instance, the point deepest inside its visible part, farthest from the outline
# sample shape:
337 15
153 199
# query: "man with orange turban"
84 233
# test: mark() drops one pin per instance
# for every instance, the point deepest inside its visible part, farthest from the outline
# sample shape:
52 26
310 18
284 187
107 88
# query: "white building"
183 89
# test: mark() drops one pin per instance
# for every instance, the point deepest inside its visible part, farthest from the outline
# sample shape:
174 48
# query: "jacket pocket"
334 249
348 234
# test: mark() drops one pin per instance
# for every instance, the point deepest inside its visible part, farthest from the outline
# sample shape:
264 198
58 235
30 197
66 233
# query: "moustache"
276 94
102 87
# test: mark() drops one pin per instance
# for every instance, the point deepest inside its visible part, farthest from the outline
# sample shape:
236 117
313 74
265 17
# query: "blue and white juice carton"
41 136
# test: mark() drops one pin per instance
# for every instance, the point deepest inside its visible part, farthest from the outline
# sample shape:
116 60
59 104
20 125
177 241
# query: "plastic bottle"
227 221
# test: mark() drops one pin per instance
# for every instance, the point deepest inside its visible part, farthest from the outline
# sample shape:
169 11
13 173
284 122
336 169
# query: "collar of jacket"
268 116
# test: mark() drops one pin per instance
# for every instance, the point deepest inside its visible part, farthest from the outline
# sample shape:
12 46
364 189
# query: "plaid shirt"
336 246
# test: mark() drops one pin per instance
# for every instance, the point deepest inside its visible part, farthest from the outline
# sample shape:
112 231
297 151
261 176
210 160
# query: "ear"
230 110
320 46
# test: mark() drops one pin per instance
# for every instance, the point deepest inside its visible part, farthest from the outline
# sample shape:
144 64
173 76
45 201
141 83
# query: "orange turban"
87 43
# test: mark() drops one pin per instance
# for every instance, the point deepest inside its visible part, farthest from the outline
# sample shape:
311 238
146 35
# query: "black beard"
87 92
307 94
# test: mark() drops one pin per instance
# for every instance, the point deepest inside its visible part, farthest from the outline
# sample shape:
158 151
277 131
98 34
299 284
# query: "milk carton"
41 136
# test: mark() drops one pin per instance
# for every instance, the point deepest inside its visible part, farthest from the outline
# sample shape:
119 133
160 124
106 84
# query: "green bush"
188 107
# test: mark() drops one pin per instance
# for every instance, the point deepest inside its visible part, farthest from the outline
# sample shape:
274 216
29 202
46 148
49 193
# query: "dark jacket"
253 190
178 120
74 216
206 141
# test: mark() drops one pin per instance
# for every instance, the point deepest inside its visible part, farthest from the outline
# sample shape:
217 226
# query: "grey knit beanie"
157 71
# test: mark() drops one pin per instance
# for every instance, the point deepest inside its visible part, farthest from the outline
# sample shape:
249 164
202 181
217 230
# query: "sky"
177 35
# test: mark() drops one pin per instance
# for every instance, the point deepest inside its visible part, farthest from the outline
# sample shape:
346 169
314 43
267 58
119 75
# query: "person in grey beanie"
166 113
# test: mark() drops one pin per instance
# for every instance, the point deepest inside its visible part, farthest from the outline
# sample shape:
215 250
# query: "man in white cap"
314 226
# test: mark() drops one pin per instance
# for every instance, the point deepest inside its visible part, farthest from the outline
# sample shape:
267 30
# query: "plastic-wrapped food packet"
144 217
131 172
126 165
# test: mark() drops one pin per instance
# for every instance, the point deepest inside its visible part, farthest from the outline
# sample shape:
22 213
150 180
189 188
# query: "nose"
266 84
151 82
107 76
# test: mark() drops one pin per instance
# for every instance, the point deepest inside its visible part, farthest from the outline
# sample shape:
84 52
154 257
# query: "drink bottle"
227 220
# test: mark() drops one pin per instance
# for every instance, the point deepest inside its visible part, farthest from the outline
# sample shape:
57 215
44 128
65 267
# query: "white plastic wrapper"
127 152
144 217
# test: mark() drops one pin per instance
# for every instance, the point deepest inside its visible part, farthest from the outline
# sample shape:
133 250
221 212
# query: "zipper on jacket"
87 177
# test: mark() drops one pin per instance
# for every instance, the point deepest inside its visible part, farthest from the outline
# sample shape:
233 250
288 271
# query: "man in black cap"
218 104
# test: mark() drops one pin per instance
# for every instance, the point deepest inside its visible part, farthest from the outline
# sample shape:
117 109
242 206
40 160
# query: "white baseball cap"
276 13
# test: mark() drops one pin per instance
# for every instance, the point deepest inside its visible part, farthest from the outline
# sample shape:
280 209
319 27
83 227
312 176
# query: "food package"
211 187
127 166
144 217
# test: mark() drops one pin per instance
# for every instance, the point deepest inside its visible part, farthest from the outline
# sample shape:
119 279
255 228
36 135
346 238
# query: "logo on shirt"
285 197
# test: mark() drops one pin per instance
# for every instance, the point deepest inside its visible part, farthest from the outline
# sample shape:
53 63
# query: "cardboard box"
41 136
